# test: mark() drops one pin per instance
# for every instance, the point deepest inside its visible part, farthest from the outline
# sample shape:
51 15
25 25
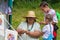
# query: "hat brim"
28 17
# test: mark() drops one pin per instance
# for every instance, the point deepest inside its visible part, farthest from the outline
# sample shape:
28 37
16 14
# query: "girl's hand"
20 31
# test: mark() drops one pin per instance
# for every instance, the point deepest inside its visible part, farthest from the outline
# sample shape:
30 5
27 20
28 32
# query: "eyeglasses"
31 18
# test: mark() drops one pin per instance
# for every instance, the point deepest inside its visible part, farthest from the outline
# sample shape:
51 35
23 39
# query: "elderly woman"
30 29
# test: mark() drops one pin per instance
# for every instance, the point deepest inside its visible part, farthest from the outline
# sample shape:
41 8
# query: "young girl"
47 30
45 8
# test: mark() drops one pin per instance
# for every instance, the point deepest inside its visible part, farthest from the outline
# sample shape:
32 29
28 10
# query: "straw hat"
31 14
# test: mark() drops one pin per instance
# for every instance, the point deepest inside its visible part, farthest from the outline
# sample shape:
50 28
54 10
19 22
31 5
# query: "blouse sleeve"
20 26
37 27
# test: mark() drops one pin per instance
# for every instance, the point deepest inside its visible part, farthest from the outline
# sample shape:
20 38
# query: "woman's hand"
27 32
20 31
34 34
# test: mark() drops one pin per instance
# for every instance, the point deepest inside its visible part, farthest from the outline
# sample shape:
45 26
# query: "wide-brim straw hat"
31 14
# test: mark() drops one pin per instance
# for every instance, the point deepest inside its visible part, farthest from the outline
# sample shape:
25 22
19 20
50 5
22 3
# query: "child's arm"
41 33
42 22
53 23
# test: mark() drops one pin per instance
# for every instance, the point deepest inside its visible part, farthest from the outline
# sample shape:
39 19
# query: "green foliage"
58 15
56 5
52 1
35 3
27 3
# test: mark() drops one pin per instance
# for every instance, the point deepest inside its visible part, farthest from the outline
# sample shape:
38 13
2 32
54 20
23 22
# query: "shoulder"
22 23
36 23
52 11
46 26
37 26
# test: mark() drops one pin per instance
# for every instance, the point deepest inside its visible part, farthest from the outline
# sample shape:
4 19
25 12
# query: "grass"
18 14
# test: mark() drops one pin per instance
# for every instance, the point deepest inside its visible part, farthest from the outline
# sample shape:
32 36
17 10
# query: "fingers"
27 32
22 31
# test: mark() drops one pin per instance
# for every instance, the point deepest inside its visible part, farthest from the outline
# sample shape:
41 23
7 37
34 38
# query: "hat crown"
31 14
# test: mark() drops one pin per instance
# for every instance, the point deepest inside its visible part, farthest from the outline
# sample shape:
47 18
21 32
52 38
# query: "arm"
43 22
53 23
34 34
42 33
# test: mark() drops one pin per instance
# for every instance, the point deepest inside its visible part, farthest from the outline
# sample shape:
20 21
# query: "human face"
30 20
44 9
47 21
